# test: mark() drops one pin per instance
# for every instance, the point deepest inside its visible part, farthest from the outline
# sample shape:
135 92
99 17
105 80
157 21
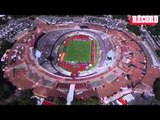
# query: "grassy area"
79 51
90 101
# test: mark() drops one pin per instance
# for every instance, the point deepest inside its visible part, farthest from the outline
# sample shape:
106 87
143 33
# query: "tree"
6 88
2 21
4 46
123 17
19 16
134 29
155 29
60 101
156 88
90 101
158 53
25 98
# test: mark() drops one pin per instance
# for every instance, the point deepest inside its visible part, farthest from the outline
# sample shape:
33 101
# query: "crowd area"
14 27
106 21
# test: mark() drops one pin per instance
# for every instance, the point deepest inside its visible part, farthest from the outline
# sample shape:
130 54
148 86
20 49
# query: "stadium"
77 59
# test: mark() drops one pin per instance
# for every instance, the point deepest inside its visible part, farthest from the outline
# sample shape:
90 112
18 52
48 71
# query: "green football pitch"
79 51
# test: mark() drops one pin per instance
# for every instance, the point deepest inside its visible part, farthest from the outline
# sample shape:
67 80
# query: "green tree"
158 52
123 17
19 16
60 101
155 30
2 21
4 46
156 88
134 29
90 101
25 98
6 88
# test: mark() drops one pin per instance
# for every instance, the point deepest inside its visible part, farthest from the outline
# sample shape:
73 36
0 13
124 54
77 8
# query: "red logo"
144 20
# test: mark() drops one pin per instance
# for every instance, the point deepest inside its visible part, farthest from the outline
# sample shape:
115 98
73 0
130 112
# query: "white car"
118 102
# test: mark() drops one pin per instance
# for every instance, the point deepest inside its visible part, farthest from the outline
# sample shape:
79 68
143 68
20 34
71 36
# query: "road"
151 46
143 100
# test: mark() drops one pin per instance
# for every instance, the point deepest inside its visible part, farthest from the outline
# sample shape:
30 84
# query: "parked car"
123 101
118 102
